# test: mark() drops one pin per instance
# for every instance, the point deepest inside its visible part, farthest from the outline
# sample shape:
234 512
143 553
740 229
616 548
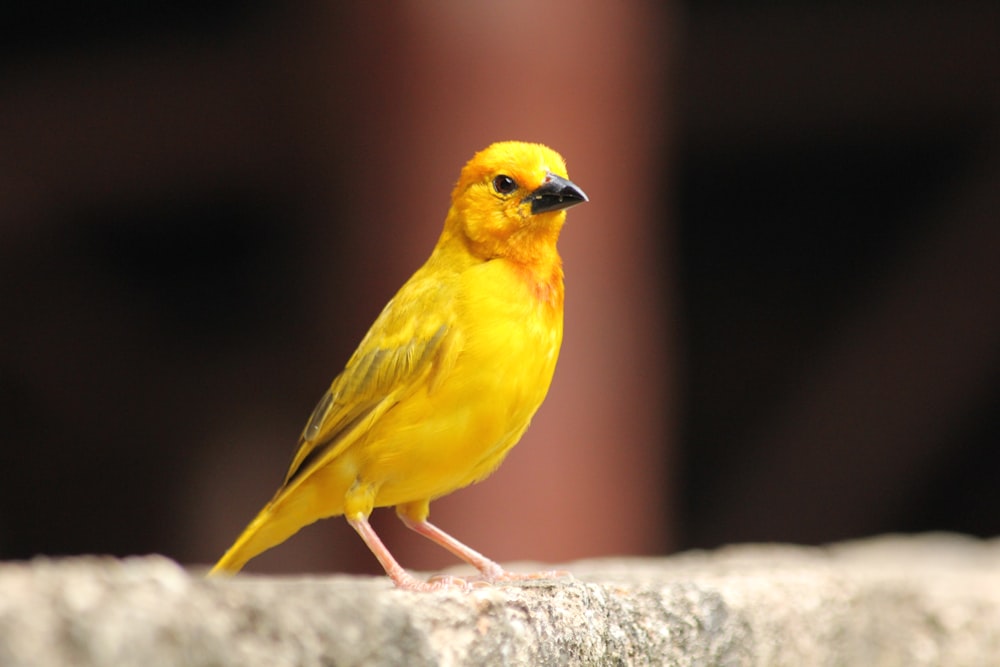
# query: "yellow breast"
457 430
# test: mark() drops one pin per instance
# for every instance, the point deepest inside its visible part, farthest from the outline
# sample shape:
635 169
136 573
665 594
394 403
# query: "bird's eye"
504 184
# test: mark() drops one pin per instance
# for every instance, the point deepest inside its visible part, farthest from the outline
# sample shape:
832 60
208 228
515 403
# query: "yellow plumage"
449 375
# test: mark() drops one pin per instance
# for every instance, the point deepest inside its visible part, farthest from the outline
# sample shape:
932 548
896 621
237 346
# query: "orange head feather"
510 202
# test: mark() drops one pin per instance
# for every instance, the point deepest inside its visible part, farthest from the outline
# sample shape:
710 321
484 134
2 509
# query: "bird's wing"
412 343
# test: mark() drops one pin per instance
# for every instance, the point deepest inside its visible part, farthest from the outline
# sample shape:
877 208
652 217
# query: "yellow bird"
449 375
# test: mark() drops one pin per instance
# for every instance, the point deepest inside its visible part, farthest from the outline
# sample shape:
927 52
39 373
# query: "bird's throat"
544 282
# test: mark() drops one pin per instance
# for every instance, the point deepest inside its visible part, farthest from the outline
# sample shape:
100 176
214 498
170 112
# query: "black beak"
555 194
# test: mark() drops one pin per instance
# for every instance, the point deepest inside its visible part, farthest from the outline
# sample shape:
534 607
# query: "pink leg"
403 579
491 570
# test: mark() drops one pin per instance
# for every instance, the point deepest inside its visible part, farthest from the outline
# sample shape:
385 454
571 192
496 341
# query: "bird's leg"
403 579
491 570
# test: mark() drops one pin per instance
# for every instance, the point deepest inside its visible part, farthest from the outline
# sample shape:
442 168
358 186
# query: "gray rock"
925 600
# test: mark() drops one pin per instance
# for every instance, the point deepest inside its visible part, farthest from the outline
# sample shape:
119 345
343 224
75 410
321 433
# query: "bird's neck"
545 283
536 261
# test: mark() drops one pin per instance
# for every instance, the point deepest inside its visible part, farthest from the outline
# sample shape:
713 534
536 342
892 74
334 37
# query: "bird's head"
511 200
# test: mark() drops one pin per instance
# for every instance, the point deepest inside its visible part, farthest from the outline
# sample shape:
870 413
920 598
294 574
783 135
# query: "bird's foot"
490 574
495 574
448 581
439 582
506 576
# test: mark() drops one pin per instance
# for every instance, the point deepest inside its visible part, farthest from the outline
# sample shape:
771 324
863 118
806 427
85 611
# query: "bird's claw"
451 582
505 576
448 582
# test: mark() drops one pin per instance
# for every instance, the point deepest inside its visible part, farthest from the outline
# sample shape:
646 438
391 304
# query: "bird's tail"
280 519
256 538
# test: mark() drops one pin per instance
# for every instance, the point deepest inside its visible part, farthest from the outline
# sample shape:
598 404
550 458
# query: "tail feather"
262 534
280 519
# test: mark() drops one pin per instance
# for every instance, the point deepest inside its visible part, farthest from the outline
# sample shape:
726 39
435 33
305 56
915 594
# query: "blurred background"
783 300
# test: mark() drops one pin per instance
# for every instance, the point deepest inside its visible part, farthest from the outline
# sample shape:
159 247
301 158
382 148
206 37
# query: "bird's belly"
442 439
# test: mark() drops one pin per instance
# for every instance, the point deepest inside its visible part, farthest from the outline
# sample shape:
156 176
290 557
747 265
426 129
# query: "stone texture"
925 600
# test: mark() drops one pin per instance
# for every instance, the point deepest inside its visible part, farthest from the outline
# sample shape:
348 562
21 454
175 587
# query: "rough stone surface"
925 600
